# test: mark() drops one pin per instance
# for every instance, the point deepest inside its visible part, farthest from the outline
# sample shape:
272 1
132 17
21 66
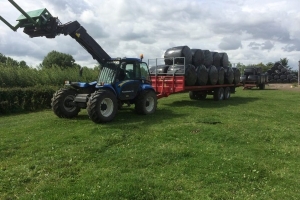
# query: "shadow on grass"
210 103
128 115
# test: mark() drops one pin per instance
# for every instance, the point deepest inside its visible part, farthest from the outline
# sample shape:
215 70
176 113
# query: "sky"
249 31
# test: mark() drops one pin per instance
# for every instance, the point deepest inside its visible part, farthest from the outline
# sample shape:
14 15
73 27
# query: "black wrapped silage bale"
224 61
236 75
159 69
243 78
189 72
213 75
221 75
216 59
229 75
252 78
197 57
180 51
250 71
208 59
202 75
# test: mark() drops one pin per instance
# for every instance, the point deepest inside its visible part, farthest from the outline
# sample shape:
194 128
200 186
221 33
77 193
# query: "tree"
59 59
23 64
2 58
284 62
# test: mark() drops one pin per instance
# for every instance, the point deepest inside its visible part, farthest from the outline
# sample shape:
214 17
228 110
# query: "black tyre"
61 103
218 94
102 106
146 102
194 95
226 93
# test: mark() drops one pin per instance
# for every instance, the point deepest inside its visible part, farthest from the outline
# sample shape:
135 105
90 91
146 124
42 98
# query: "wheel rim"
149 104
221 94
227 94
106 107
67 102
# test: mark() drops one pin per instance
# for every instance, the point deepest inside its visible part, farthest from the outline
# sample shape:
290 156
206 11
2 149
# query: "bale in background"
237 75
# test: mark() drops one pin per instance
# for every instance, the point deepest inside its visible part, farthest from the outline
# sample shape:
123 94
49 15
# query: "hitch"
35 23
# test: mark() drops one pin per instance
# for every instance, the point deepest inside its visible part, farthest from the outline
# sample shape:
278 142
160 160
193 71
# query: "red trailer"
168 84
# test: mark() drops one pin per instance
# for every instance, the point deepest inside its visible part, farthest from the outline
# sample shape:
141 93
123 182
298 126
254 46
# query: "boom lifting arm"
39 23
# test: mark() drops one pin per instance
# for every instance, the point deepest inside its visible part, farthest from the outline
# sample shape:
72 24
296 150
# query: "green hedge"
11 76
13 100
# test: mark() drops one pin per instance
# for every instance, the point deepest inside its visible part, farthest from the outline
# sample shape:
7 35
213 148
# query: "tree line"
265 67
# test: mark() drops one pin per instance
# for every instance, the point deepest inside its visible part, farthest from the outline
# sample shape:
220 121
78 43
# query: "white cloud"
249 31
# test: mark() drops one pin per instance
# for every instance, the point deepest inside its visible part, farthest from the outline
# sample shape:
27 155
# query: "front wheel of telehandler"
102 106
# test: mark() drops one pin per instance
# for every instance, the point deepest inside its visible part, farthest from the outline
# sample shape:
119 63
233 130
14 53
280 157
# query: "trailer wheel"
146 102
262 86
218 94
227 93
102 106
61 103
194 95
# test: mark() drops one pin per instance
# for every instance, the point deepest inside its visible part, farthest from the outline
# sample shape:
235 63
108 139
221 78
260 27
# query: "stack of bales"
280 74
200 67
254 74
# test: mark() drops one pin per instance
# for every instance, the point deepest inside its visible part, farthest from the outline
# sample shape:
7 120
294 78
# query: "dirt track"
284 86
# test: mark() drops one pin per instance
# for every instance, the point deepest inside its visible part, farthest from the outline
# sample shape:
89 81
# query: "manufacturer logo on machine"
128 91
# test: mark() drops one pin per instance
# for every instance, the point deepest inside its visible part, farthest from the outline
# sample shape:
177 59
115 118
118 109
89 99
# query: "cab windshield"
108 73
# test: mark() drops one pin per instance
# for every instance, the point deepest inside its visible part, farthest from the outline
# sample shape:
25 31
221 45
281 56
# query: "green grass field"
244 148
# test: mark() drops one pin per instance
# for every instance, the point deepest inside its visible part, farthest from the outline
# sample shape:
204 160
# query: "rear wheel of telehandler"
102 106
62 103
194 95
218 94
146 102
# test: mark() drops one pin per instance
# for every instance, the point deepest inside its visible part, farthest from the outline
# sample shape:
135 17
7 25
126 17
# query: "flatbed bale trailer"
167 84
